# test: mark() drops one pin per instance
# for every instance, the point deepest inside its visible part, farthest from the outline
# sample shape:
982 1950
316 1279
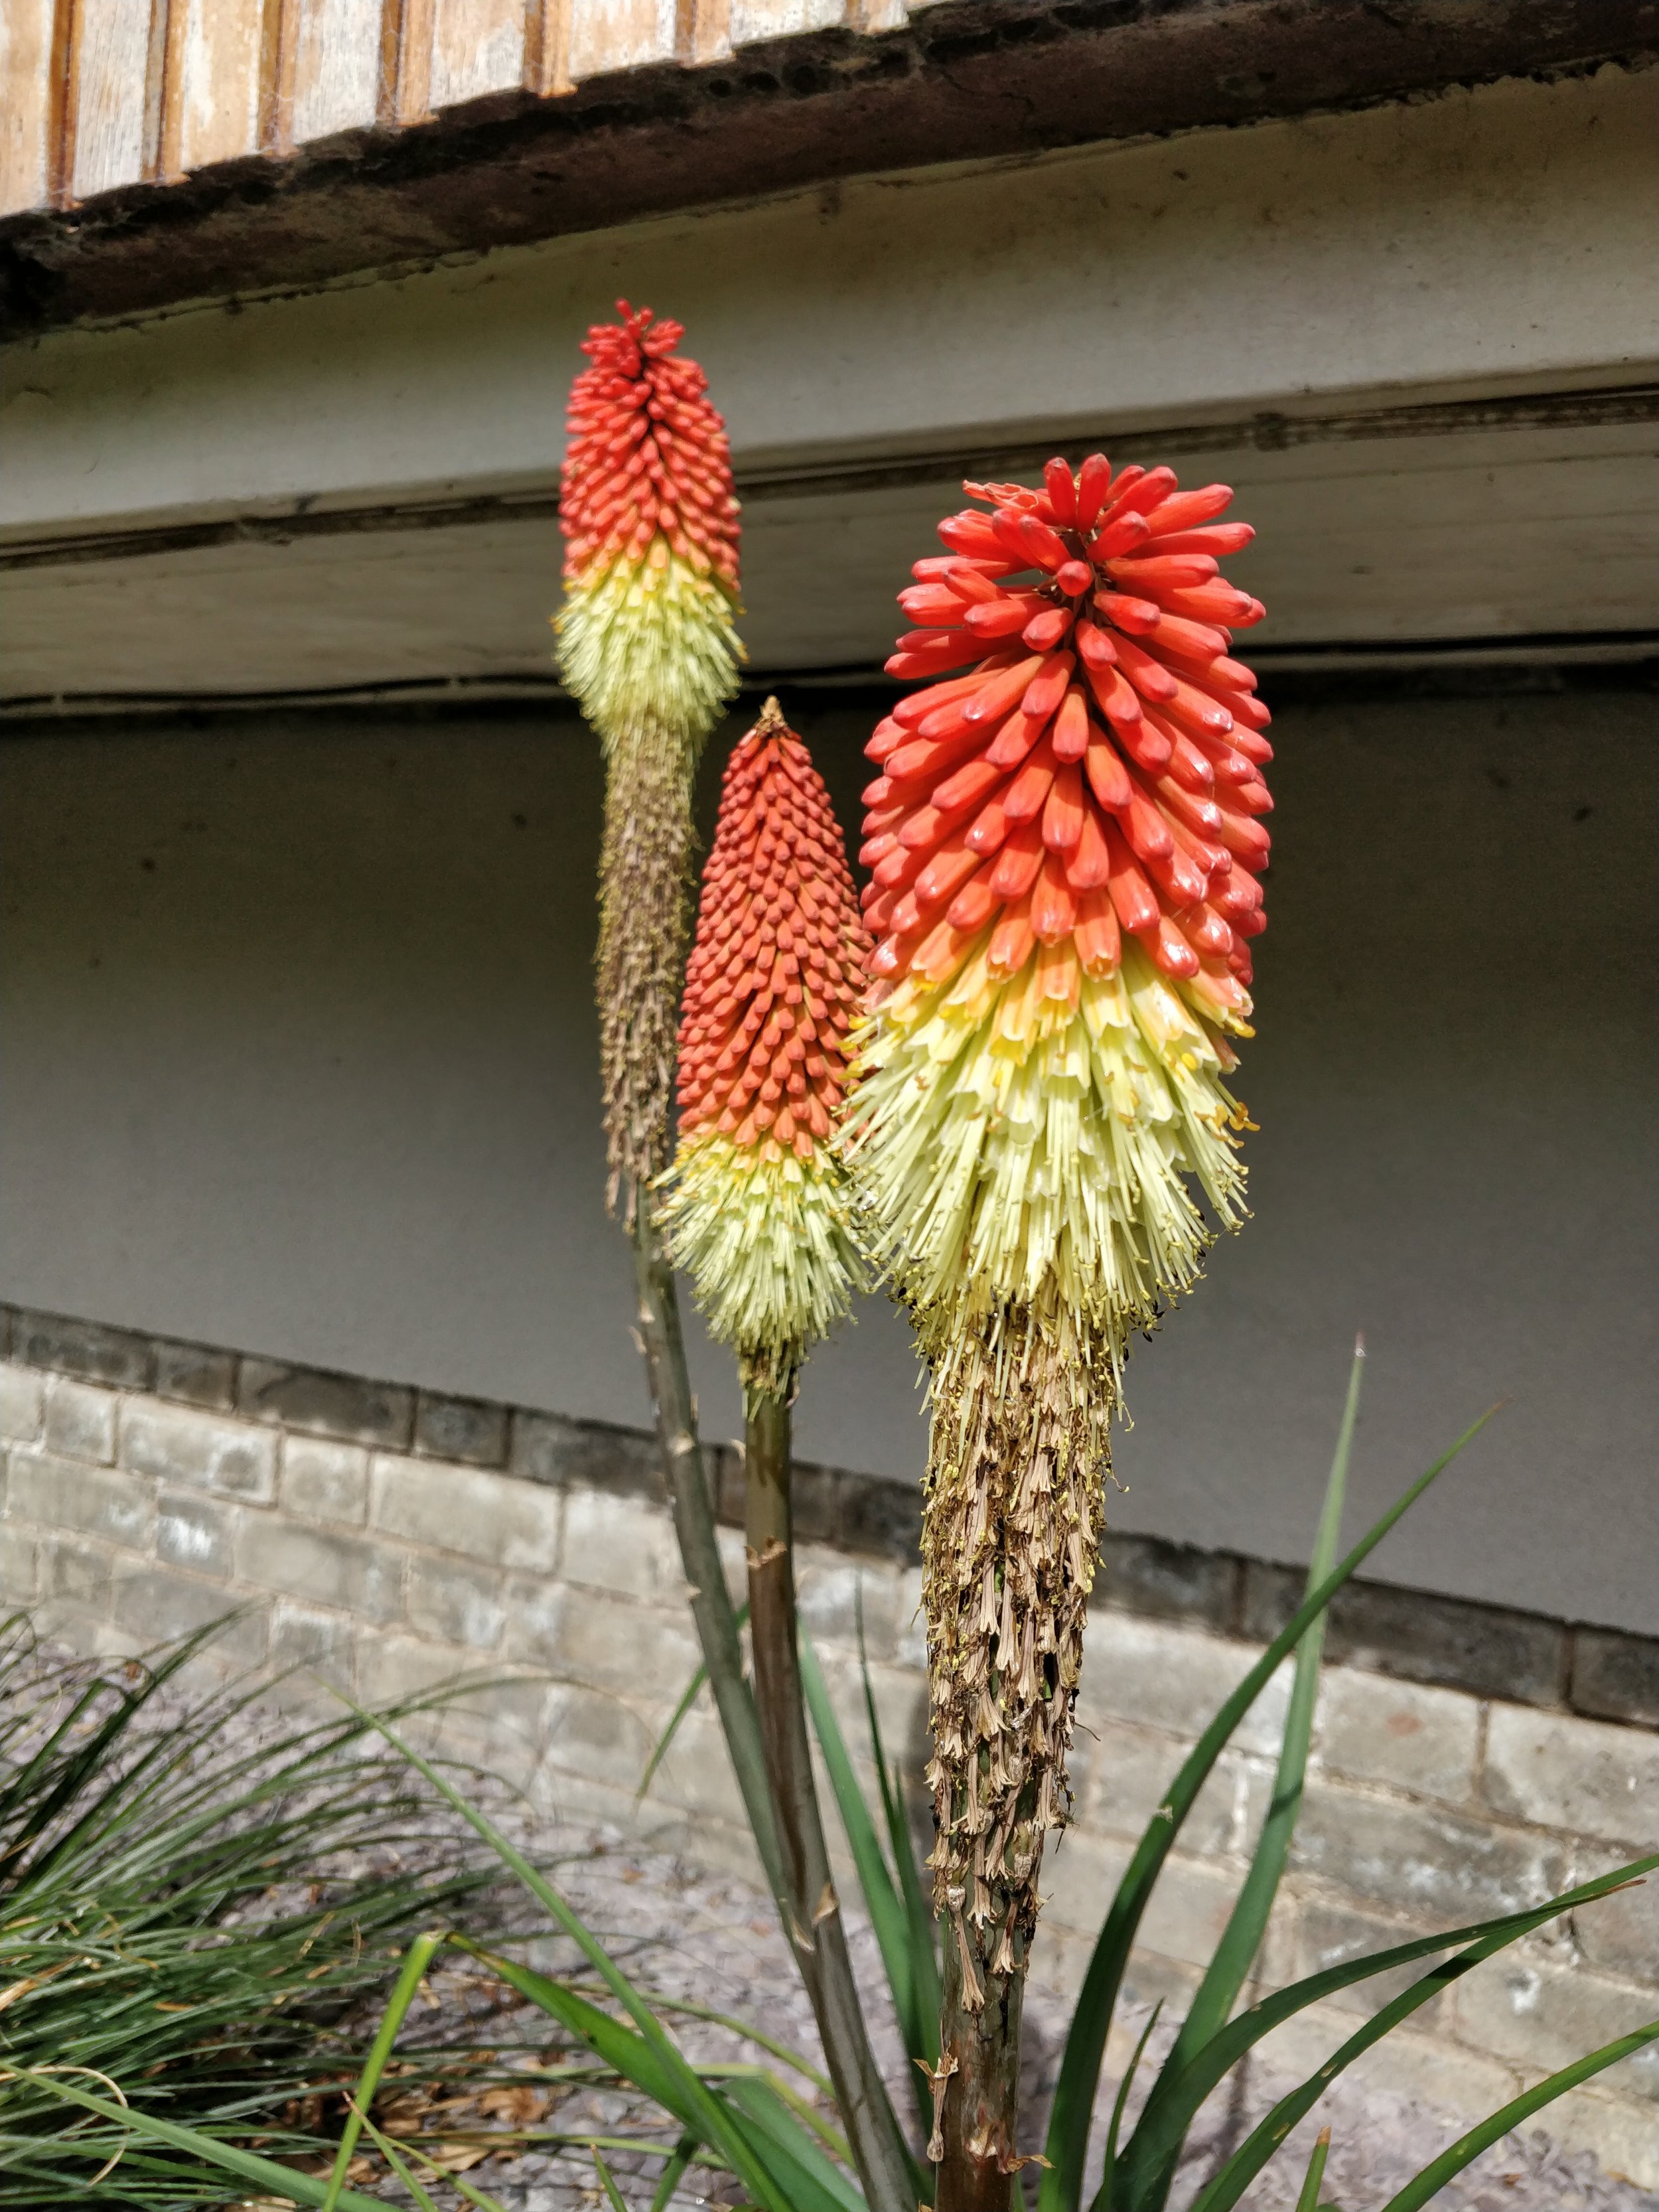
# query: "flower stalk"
755 1209
1065 846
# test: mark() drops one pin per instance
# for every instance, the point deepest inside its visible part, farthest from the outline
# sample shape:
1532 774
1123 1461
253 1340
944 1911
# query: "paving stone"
352 1574
1169 1581
179 1445
644 1652
1588 1776
342 1405
22 1404
1543 2017
1451 1641
695 1773
155 1604
1619 1932
61 1493
392 1667
540 1446
20 1566
79 1420
1615 1677
467 1510
881 1515
322 1644
196 1375
1123 1774
1165 1676
1402 1734
832 1594
80 1572
623 1461
1079 1878
466 1429
456 1600
196 1532
598 1737
726 1460
1332 1932
1449 1868
85 1348
325 1482
622 1543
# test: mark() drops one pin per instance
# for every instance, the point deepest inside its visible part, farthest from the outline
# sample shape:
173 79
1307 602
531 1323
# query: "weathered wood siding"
95 95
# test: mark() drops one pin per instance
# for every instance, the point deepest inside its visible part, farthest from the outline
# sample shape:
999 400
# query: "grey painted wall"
300 1059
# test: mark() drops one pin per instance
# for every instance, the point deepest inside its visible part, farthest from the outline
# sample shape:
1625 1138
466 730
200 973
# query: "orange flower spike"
646 646
756 1206
1064 886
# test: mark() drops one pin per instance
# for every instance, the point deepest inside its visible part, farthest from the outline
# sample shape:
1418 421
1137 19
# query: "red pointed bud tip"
775 978
1097 769
646 456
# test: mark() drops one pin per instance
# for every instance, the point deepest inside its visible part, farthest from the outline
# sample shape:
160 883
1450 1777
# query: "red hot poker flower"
755 1210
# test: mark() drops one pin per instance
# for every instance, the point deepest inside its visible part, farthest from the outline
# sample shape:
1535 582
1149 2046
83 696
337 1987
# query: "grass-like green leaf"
1241 1940
1307 2198
649 2057
921 2033
888 1916
1079 2075
1423 2188
1167 2124
186 1914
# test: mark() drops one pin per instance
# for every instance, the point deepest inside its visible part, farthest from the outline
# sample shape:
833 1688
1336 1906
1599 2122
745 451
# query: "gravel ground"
711 1939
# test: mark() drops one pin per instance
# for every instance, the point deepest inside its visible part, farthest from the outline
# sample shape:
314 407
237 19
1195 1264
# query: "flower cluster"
651 535
755 1209
1066 843
646 646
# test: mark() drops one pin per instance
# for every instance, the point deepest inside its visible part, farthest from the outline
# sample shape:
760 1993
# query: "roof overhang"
959 80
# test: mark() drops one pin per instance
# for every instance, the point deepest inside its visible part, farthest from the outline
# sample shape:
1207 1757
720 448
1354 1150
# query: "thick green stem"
980 2103
817 1933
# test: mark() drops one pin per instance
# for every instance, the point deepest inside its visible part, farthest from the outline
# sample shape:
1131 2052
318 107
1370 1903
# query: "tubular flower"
646 645
1065 841
755 1208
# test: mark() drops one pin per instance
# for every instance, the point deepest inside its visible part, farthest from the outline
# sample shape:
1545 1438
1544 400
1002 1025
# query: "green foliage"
184 1931
785 2155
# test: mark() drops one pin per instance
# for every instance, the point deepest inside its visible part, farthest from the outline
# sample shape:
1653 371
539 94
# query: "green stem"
711 1612
815 1928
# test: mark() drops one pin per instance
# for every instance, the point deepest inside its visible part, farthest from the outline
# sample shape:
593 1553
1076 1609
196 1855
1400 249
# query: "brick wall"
1468 1760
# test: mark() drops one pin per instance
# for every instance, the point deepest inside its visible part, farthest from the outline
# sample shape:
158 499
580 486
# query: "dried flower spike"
1065 843
755 1209
646 646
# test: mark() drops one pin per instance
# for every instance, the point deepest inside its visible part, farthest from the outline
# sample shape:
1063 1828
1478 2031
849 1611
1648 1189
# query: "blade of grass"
610 2189
751 2033
275 2180
1241 1940
812 2184
922 2039
1308 2195
1425 2186
880 1897
688 1699
1170 2113
1079 2073
674 2172
1102 2199
413 1973
392 2156
694 2105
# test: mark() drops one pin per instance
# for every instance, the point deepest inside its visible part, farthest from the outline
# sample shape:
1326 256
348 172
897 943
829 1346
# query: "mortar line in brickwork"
1530 1658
